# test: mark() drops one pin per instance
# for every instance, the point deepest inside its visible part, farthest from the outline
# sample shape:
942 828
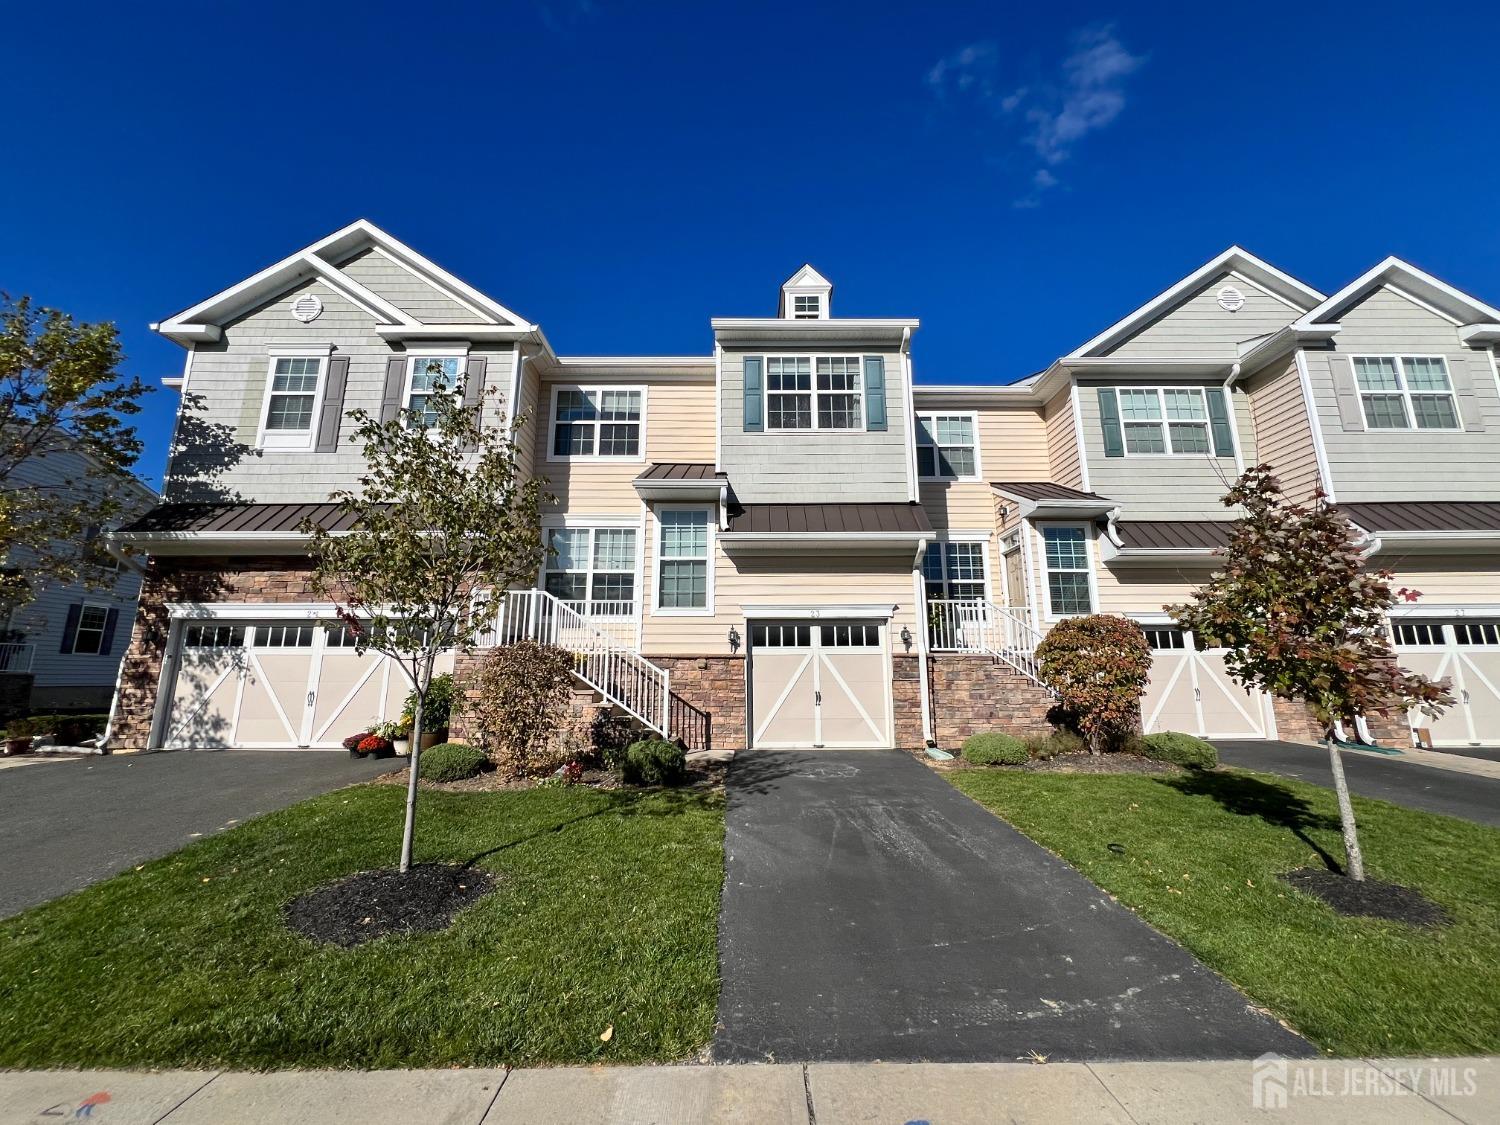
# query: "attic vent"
307 307
1231 299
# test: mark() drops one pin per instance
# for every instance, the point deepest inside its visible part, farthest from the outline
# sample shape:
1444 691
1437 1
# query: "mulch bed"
1369 898
373 904
701 775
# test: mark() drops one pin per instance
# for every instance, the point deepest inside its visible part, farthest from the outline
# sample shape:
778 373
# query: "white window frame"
586 388
102 630
930 417
593 527
979 539
1046 570
813 358
417 356
657 608
816 312
1405 393
292 440
1164 423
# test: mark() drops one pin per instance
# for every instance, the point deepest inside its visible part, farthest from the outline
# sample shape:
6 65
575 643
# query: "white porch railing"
16 657
615 619
617 672
976 625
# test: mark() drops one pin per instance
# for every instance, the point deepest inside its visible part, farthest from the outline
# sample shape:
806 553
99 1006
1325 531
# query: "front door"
819 684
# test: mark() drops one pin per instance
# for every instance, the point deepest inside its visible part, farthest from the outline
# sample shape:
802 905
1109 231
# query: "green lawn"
1201 858
606 915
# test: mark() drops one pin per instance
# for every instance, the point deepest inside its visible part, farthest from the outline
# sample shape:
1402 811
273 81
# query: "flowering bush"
353 741
572 772
373 744
1098 666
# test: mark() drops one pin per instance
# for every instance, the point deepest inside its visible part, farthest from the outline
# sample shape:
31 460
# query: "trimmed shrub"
1179 749
1098 666
1047 746
450 761
994 749
653 761
523 693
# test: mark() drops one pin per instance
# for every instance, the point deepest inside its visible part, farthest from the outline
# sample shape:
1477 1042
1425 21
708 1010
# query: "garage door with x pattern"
1465 651
1192 691
819 684
277 685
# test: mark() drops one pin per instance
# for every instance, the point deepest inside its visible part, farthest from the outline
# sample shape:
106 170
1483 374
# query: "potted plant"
18 736
376 744
398 733
351 743
435 714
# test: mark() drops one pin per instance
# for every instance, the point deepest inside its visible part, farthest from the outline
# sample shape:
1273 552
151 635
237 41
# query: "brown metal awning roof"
1425 515
686 471
229 519
1044 490
1173 535
829 519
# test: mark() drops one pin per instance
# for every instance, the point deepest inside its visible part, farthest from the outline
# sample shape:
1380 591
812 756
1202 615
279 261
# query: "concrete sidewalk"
1293 1091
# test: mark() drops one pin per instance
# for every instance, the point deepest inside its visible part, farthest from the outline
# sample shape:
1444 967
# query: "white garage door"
277 685
1192 691
1465 650
819 684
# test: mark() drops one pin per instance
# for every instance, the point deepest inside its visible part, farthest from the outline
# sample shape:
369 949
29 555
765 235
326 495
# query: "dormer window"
807 307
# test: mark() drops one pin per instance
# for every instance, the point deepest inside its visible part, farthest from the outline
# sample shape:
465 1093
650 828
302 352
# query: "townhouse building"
791 541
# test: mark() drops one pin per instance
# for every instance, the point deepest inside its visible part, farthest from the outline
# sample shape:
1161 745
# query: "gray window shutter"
1346 393
755 397
874 393
1109 420
70 627
1460 370
111 619
395 383
1218 416
474 380
333 404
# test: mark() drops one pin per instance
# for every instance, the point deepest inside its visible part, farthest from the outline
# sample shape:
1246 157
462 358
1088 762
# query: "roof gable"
204 320
1403 278
1235 262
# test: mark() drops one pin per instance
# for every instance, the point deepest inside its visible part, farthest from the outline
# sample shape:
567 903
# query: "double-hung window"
953 570
806 306
947 447
293 389
427 376
1069 584
1165 420
597 422
593 569
1406 392
88 636
823 392
683 556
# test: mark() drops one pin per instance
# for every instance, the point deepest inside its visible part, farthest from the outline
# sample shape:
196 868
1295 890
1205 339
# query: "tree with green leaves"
66 448
1303 618
441 525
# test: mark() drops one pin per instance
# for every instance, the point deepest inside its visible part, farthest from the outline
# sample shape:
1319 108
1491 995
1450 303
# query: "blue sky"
620 173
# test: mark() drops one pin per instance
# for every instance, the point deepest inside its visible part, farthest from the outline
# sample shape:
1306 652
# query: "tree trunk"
411 782
1355 858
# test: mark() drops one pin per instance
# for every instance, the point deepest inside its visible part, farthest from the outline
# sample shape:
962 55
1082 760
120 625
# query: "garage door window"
213 636
1477 633
283 636
850 636
781 636
1419 634
1165 638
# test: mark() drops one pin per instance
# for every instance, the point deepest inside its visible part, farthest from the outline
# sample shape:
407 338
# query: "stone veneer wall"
715 684
906 687
972 694
1295 723
269 579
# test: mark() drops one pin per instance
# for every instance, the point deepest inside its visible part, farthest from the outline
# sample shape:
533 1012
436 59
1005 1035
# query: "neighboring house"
63 650
790 542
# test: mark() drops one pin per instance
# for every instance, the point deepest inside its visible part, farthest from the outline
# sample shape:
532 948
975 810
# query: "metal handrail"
977 625
17 657
617 672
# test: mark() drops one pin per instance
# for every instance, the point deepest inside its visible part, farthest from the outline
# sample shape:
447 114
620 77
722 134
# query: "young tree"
63 400
441 525
1098 666
1304 620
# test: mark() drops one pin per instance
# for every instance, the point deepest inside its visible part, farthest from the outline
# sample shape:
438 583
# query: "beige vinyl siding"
406 290
1406 464
1062 444
1452 579
848 466
1199 328
225 394
679 428
531 416
1283 434
1012 446
800 578
1134 590
1161 487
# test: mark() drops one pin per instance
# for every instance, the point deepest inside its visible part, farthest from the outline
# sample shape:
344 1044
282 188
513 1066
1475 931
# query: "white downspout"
924 687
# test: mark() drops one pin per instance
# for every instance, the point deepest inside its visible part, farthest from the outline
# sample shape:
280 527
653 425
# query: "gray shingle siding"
1200 328
405 290
814 465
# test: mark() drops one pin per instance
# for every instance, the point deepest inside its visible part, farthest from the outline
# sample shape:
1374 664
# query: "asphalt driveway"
872 911
71 823
1464 795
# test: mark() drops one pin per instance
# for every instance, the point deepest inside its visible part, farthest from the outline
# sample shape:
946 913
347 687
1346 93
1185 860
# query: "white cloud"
1043 179
968 70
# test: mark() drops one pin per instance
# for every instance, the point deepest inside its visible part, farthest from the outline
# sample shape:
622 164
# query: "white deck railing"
615 619
976 625
16 657
612 668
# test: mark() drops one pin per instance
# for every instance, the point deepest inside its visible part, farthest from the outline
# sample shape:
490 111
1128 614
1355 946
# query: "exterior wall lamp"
734 639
